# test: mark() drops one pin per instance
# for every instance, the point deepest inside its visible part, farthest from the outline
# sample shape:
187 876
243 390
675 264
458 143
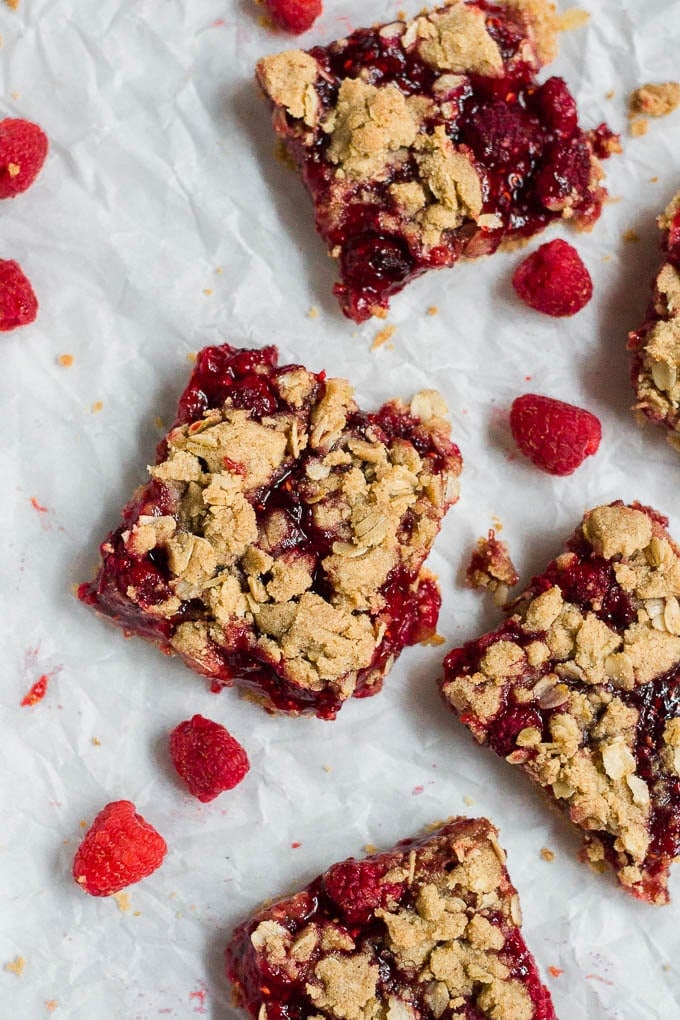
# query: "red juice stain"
295 846
417 790
38 506
38 689
200 996
555 971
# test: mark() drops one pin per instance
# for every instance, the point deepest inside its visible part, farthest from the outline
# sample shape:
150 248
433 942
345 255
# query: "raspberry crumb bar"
581 688
427 141
428 929
656 345
281 538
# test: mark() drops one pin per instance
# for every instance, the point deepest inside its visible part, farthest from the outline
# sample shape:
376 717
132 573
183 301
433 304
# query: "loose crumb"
638 127
630 236
547 854
434 641
574 17
468 801
96 742
370 849
491 567
327 768
383 336
432 310
653 180
13 4
606 258
207 291
65 360
123 901
16 96
51 1005
313 312
16 966
219 270
97 406
655 100
610 94
191 357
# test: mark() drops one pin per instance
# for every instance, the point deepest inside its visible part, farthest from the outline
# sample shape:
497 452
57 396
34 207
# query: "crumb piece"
16 966
219 270
16 96
65 360
207 291
574 17
97 406
327 768
607 258
610 94
383 336
432 310
122 901
654 180
547 854
13 4
191 357
313 312
51 1005
638 127
655 100
370 849
433 641
96 742
468 801
630 236
491 566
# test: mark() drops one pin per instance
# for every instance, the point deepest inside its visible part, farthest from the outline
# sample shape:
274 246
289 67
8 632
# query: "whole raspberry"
554 280
294 16
118 849
23 147
357 888
555 436
18 303
207 757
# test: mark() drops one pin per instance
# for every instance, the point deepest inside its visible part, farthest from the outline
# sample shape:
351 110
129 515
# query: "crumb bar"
656 345
580 687
422 142
431 928
280 540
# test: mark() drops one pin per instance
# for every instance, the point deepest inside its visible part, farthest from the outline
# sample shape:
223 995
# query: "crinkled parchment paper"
162 222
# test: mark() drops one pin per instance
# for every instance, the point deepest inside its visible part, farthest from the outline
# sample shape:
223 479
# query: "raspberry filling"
135 585
350 905
534 161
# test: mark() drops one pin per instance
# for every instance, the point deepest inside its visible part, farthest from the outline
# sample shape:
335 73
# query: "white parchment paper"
161 223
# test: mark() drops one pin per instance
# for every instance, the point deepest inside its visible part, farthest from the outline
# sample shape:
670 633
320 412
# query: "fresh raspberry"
555 436
554 280
23 147
294 16
118 849
207 757
357 888
18 303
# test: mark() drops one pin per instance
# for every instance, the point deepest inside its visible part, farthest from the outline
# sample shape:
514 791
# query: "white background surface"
160 171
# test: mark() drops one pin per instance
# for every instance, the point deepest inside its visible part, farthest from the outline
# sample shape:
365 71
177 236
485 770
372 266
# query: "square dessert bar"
428 929
656 345
581 688
427 141
280 540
